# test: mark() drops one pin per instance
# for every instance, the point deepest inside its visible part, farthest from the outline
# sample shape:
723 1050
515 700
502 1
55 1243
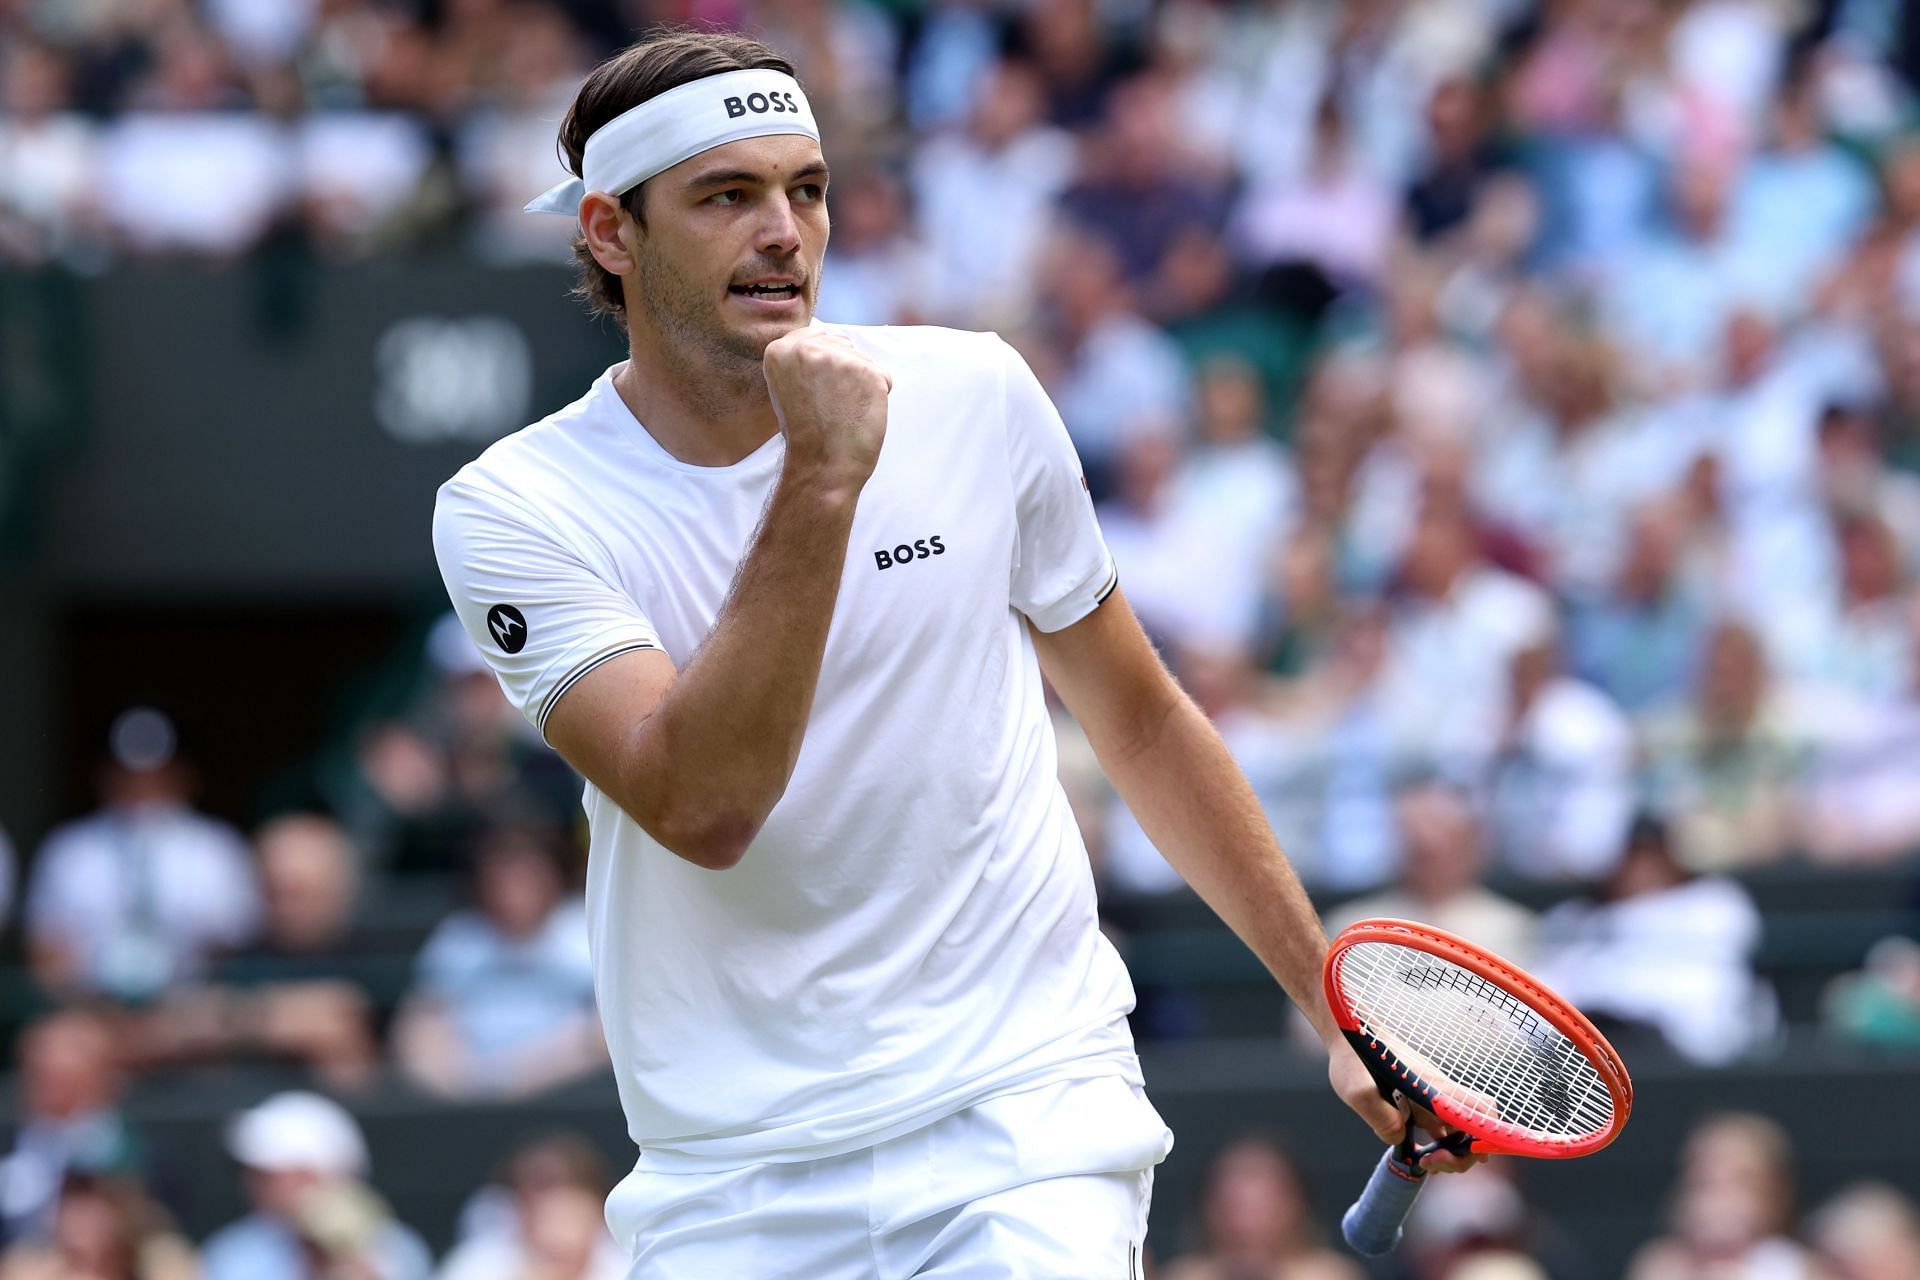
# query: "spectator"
984 196
310 884
1657 948
1114 375
285 997
1378 62
1303 604
1668 296
849 52
1078 58
504 147
553 1226
1462 157
1442 863
212 180
876 272
1802 200
144 892
1141 189
1457 624
1480 1224
426 780
313 1218
1601 186
1763 426
47 154
949 59
1639 638
1562 786
104 1229
71 1086
1226 505
1576 457
502 1003
1880 1003
1335 811
1208 99
1226 686
1497 1265
1855 477
1256 1223
1862 646
1732 1209
1136 520
1867 1231
1725 766
1335 219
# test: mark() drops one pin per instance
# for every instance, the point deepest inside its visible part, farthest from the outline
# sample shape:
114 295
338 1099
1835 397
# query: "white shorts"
1048 1184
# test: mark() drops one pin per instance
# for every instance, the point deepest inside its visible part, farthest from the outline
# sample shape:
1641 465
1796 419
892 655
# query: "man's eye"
810 191
730 196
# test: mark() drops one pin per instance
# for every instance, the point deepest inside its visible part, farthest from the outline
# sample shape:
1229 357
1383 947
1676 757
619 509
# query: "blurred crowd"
1526 394
1522 393
1733 1210
1504 414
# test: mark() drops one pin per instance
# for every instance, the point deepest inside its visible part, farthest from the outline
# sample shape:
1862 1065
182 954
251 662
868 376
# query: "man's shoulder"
929 346
513 462
74 838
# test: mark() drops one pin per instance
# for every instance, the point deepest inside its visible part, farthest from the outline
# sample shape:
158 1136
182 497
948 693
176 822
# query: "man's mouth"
768 290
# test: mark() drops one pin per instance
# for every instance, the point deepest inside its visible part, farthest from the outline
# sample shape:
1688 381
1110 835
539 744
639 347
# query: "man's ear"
603 222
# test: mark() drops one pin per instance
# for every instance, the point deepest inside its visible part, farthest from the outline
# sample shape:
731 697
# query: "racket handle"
1372 1224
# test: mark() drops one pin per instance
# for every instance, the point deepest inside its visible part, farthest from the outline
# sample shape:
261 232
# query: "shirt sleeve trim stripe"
573 677
1113 580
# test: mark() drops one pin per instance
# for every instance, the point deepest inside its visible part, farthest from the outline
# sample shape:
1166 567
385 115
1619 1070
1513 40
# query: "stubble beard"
684 313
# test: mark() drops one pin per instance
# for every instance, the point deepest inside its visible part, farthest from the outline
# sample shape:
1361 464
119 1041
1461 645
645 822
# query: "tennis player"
783 592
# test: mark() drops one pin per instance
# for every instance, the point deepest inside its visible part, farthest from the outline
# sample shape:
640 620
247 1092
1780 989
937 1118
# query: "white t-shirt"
914 929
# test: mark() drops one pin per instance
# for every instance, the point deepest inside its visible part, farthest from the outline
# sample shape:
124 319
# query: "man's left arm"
1170 766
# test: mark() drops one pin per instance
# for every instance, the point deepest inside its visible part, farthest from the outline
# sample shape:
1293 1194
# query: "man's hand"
1352 1081
832 404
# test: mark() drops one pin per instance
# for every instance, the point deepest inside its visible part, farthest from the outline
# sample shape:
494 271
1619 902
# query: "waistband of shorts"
1122 1064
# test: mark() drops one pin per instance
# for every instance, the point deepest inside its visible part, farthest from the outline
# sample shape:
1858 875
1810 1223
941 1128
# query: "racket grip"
1372 1224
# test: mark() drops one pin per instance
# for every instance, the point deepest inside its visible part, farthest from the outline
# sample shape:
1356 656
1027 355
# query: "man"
777 590
72 1083
146 891
305 1162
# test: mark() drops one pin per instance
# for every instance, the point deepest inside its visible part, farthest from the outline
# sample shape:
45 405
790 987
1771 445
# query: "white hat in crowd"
298 1131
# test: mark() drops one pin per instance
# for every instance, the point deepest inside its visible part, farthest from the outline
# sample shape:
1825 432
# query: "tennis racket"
1458 1031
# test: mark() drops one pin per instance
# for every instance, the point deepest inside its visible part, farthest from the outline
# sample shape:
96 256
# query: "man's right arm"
699 757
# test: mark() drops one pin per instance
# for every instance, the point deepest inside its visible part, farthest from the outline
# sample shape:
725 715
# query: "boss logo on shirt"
919 549
508 627
760 104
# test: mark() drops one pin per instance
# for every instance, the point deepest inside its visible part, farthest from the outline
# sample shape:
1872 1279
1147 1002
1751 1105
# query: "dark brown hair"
637 73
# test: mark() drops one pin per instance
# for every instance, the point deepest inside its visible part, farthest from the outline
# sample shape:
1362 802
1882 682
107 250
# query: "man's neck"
706 413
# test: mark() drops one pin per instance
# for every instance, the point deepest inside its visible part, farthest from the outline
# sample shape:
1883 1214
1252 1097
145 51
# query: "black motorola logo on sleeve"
508 626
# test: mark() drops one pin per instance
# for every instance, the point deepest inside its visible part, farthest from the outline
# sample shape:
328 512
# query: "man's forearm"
716 754
1196 806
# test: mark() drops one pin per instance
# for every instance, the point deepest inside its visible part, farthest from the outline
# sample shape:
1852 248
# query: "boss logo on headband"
760 104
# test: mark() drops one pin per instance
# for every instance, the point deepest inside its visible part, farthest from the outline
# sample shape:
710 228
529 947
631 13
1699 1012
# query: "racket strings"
1477 1044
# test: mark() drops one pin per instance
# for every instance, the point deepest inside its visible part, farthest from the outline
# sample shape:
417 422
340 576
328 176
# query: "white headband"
677 125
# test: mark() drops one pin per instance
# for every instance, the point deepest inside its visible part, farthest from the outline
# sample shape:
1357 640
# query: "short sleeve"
1061 567
541 616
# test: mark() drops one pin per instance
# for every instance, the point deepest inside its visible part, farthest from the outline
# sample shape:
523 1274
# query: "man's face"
729 258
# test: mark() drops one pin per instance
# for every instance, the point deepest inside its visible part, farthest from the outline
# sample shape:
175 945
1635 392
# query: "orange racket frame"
1390 1073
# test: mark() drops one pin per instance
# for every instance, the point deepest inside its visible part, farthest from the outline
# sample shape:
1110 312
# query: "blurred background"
1505 415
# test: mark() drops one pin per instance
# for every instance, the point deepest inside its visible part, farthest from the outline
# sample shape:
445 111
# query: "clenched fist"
832 404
